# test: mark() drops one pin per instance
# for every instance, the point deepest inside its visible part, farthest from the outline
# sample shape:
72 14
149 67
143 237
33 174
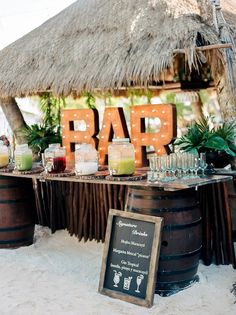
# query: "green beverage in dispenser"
23 158
121 157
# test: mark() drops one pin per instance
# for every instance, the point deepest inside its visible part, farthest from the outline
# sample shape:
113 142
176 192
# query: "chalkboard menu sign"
130 257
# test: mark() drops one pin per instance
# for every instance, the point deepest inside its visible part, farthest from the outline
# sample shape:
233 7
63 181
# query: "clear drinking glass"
179 170
202 164
191 165
169 166
196 166
164 168
158 167
155 168
185 164
152 165
174 165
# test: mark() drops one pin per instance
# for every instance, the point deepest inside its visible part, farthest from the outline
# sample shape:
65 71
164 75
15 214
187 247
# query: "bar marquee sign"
82 126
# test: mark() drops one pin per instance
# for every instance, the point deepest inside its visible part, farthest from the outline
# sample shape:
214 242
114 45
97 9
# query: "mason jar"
4 155
49 154
121 157
23 157
59 160
86 159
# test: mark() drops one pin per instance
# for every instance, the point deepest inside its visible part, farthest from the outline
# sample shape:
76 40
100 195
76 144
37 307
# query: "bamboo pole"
223 225
203 48
216 235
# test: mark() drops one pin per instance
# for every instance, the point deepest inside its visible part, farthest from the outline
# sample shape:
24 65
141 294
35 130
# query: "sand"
59 275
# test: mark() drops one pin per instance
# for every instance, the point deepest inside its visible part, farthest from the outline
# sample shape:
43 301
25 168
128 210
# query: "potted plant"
40 136
218 142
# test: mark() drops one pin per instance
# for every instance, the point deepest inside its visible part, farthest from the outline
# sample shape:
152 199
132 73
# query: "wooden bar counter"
82 205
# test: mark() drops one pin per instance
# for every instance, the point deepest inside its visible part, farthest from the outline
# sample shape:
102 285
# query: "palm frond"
200 137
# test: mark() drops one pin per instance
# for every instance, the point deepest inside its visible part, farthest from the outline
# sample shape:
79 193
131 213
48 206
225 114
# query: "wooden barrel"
16 212
181 234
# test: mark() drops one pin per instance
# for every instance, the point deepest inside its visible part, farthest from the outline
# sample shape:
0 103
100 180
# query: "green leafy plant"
51 108
90 100
201 138
39 136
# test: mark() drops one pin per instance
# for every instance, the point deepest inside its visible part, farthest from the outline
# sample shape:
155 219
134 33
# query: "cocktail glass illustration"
139 279
127 282
116 278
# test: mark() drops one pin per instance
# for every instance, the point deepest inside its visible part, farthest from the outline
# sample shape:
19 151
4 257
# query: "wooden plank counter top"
177 184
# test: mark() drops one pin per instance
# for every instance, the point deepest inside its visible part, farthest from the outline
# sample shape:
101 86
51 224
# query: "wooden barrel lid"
7 169
66 173
97 175
135 177
35 170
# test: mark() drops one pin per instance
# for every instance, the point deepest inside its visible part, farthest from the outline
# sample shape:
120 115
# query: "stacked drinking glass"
181 165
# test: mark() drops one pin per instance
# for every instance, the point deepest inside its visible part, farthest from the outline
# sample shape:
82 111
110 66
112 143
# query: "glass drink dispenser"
4 155
86 159
55 158
23 157
121 157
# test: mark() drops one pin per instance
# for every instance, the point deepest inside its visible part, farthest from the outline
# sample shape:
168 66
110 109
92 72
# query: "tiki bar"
157 189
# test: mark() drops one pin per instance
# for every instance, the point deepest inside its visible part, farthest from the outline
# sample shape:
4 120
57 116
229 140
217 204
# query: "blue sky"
18 17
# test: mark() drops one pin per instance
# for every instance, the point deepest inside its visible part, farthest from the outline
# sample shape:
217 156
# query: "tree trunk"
227 100
14 118
197 109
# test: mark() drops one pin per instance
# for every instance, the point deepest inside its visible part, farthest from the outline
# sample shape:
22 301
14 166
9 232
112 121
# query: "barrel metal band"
185 255
178 272
169 286
150 210
172 227
159 197
16 228
19 240
13 201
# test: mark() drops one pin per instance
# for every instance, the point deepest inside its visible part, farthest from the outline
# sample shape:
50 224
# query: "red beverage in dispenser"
59 164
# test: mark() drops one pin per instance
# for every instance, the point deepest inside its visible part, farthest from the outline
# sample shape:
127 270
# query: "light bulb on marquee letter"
140 139
113 124
70 136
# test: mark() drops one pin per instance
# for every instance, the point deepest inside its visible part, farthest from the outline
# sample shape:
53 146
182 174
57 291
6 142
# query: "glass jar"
59 160
49 154
86 159
4 154
23 157
121 157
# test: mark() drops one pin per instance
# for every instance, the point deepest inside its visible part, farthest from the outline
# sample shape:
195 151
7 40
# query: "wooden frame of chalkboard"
130 257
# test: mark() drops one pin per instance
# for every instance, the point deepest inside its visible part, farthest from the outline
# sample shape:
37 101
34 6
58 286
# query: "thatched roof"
229 11
105 44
